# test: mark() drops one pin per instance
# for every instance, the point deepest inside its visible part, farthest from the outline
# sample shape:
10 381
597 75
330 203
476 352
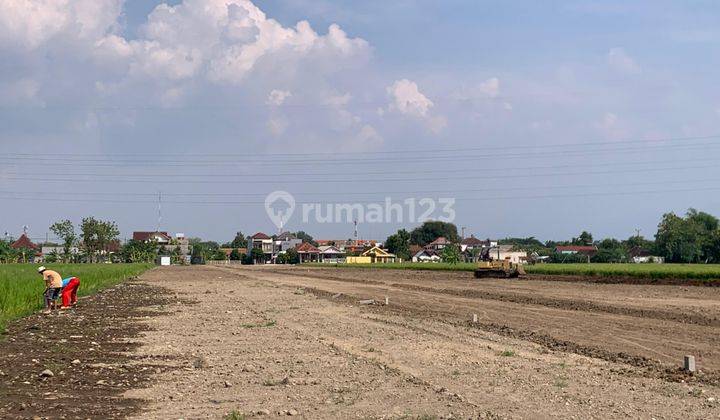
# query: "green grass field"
21 286
651 271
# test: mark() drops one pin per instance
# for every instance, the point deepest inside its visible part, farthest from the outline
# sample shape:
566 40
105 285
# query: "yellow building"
374 255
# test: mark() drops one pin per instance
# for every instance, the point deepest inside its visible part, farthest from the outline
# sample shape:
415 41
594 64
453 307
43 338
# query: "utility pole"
355 234
159 211
462 236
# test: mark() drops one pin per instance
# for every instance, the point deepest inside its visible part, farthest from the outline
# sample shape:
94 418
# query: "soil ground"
272 342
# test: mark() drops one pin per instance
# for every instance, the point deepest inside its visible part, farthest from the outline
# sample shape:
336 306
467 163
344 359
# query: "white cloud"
407 99
621 62
32 23
278 97
490 88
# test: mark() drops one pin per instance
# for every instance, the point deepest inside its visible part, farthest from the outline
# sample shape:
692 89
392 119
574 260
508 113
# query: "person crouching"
69 292
53 285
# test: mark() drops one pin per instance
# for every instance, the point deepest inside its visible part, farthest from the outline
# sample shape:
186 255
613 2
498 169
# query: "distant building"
308 253
426 255
331 254
504 252
264 243
588 250
640 255
374 255
29 249
286 241
438 244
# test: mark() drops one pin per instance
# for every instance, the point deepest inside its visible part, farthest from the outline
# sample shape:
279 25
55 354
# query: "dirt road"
269 342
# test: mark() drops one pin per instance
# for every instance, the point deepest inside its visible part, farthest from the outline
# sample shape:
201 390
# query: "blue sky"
125 99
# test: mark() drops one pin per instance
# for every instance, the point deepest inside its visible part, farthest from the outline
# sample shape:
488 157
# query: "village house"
264 243
28 248
639 255
285 241
588 251
308 253
374 255
438 244
331 254
426 255
504 252
165 242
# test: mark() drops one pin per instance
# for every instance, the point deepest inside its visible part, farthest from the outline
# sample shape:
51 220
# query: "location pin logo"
279 206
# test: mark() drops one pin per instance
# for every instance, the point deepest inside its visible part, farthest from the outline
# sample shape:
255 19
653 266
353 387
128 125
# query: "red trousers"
69 292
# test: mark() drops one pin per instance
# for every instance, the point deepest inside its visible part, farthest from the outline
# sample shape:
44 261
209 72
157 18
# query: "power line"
295 174
494 198
383 152
353 193
303 162
350 181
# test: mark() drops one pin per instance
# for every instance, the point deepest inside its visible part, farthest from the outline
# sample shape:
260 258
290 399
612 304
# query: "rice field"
650 271
21 286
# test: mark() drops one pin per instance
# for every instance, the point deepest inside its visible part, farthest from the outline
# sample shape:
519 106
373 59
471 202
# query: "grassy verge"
21 286
649 271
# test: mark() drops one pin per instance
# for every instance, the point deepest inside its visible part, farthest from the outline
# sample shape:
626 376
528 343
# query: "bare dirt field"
277 342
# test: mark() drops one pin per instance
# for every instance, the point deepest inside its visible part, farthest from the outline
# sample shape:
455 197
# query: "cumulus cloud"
621 62
407 99
32 23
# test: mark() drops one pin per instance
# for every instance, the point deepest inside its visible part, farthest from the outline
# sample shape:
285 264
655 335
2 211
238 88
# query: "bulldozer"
498 269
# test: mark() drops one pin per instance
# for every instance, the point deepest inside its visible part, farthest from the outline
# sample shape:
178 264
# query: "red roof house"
23 242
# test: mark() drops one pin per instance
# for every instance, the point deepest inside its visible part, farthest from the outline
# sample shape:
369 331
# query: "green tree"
7 253
585 238
240 241
292 256
305 238
682 240
431 230
65 230
139 252
257 255
450 254
235 255
399 244
97 236
610 251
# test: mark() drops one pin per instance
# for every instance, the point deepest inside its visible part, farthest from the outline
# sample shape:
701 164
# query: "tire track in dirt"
559 303
651 368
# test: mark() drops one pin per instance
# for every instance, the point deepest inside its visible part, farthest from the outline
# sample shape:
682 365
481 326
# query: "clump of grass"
21 286
235 415
507 353
263 325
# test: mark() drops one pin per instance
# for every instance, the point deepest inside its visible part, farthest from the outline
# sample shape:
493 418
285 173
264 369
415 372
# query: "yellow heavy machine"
498 270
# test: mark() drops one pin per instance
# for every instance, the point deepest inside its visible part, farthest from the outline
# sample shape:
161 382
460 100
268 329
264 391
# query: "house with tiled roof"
331 254
308 253
588 250
23 242
438 244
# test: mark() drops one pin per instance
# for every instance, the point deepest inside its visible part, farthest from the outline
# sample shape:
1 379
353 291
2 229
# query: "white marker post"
475 318
689 363
387 300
